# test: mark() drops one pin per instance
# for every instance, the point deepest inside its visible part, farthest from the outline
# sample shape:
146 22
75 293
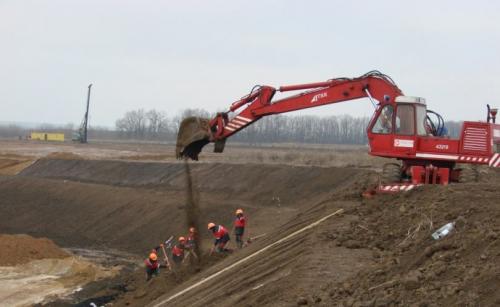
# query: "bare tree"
133 124
157 123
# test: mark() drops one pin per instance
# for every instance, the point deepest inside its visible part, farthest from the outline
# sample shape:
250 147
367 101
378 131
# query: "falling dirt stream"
192 206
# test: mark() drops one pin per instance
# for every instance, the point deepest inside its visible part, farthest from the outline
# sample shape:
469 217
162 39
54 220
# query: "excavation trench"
378 252
131 207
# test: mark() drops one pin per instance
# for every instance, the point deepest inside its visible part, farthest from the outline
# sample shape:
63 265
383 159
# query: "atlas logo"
318 97
441 146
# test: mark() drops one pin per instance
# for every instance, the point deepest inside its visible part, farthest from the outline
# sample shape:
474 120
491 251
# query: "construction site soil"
21 249
377 252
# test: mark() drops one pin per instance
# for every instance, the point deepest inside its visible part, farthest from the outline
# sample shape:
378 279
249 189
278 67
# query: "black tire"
391 173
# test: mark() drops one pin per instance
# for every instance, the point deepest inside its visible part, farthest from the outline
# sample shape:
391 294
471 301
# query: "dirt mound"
412 268
41 281
20 249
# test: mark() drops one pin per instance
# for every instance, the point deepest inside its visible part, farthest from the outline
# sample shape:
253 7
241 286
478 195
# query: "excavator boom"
401 128
194 133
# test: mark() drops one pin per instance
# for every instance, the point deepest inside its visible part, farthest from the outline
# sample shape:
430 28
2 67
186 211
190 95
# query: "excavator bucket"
194 133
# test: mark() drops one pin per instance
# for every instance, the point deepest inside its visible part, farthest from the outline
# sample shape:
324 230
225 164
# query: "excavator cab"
396 125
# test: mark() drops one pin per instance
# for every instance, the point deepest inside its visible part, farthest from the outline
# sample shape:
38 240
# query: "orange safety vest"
220 232
178 251
239 222
151 264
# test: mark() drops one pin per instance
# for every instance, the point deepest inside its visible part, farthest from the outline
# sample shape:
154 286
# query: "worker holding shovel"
178 251
221 236
152 265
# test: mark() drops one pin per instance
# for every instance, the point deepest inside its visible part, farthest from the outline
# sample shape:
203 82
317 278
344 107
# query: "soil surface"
13 164
134 206
378 252
20 249
413 269
35 271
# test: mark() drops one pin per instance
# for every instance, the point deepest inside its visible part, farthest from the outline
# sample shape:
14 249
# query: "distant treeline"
343 129
155 125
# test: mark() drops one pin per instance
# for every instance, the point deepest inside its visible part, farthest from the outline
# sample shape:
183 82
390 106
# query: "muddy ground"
411 268
378 252
34 271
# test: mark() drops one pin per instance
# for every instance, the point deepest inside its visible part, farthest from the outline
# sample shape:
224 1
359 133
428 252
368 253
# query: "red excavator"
401 128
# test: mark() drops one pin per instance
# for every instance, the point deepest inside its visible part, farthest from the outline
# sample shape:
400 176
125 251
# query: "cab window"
405 120
421 114
383 125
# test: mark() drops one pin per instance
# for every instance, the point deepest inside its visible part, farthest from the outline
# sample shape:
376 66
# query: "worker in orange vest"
152 265
191 244
191 239
239 227
178 250
221 236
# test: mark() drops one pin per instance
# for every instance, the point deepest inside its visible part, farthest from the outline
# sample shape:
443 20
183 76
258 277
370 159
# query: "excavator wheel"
391 173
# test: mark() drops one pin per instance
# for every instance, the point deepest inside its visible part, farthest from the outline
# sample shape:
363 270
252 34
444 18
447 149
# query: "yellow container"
41 136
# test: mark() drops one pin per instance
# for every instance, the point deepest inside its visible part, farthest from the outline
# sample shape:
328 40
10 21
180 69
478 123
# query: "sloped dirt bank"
412 269
134 206
377 253
277 277
291 184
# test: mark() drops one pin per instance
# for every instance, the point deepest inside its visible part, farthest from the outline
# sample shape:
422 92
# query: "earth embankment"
133 206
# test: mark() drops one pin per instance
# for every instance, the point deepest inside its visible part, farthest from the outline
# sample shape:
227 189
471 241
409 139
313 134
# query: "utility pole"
86 119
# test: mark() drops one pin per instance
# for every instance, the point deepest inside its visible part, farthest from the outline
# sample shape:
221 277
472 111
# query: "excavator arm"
194 133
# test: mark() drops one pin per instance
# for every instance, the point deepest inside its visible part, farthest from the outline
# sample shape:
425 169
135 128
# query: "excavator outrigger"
401 128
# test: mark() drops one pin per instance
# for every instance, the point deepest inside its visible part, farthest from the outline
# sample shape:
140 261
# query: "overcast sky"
171 55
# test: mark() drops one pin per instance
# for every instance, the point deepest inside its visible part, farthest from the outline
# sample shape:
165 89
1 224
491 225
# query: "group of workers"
186 246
